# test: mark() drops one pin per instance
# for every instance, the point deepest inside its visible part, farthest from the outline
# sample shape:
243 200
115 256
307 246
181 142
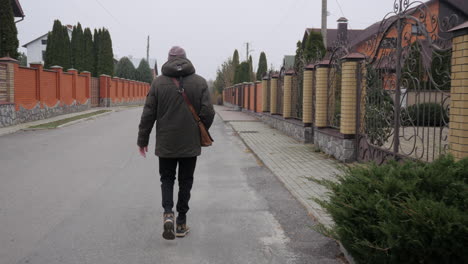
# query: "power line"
341 10
107 11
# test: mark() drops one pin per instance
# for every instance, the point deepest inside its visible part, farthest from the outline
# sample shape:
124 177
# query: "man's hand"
143 151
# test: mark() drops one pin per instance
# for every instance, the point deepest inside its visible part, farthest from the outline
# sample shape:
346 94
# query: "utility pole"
324 22
147 50
247 50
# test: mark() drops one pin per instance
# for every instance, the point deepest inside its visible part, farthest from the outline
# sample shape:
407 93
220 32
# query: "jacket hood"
178 67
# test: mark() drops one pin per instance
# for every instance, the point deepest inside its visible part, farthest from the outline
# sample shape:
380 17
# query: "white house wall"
34 50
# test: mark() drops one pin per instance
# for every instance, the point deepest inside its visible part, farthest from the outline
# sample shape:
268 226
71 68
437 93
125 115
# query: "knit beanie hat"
176 51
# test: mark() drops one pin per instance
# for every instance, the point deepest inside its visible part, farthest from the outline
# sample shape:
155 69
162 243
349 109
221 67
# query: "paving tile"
291 161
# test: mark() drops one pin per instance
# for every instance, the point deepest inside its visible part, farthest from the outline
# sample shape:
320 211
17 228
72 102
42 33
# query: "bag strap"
186 99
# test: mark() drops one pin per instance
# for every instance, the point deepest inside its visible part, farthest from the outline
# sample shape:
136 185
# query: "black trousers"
167 170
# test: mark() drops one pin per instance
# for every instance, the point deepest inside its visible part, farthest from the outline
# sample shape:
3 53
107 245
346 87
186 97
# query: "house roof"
460 5
69 27
17 9
332 34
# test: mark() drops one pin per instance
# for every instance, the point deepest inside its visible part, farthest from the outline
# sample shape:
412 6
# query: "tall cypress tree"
106 54
88 51
235 58
235 65
242 73
8 32
77 47
314 49
143 72
262 66
251 73
66 54
125 69
156 67
54 46
97 52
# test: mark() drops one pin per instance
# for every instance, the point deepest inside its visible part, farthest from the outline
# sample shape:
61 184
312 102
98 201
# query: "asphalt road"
82 194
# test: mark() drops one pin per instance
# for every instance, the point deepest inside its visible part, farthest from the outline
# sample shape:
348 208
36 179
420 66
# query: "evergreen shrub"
407 212
425 114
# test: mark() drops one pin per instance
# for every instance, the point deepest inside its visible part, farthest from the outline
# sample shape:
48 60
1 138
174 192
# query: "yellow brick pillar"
287 94
265 103
7 73
307 96
349 89
321 75
273 94
458 126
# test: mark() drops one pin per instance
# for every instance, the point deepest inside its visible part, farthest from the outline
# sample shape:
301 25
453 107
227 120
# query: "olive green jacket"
177 133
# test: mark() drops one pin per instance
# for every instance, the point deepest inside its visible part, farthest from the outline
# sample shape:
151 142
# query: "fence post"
287 94
7 88
104 91
88 83
255 96
458 127
265 105
74 80
39 67
321 93
59 71
349 90
307 97
274 94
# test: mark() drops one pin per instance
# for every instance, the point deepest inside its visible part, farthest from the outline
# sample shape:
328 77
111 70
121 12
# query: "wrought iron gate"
404 98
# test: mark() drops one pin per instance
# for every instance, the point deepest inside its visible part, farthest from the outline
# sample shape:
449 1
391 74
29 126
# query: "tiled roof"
332 34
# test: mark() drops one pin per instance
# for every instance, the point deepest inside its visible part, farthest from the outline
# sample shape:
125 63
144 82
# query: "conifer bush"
407 212
425 114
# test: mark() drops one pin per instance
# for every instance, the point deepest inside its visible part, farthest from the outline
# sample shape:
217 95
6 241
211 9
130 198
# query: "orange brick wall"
66 86
246 96
25 87
48 88
81 86
121 91
33 85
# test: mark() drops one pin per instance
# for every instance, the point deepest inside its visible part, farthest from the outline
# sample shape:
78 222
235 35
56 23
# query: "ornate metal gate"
404 98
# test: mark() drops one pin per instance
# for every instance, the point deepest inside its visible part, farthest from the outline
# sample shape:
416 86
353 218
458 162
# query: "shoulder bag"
205 138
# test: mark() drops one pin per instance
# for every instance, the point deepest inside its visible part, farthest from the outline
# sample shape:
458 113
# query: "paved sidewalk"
13 129
291 161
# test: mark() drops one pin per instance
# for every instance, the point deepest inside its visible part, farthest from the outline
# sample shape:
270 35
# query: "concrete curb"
68 123
85 119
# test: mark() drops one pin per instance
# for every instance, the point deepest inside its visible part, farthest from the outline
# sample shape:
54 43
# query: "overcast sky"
209 30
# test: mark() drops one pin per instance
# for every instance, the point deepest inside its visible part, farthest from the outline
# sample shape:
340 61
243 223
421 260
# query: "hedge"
424 114
408 212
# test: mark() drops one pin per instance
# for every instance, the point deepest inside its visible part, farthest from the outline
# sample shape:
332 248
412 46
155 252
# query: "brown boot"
168 226
182 230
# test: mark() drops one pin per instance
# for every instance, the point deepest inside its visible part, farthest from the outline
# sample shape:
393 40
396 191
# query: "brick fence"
34 93
342 141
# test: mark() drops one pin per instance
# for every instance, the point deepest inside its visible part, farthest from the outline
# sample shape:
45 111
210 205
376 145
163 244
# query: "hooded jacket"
177 133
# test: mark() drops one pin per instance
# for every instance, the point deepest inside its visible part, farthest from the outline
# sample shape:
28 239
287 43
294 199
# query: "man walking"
177 133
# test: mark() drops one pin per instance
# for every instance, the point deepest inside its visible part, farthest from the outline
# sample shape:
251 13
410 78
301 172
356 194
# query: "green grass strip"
60 122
